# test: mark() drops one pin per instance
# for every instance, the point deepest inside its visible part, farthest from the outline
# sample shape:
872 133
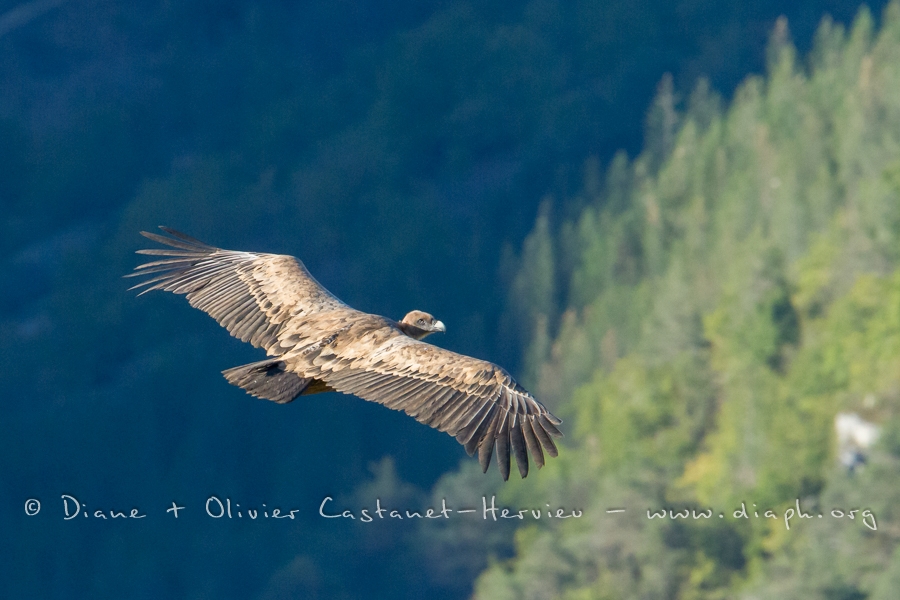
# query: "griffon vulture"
316 343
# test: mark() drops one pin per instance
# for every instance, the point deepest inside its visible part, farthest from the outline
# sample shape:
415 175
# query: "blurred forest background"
697 268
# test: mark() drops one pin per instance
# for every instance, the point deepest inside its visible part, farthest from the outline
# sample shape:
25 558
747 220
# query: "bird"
315 343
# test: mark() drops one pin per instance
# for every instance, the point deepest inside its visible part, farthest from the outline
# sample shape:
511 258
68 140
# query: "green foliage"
713 325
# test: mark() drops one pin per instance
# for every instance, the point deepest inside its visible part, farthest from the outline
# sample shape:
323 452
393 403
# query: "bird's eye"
420 322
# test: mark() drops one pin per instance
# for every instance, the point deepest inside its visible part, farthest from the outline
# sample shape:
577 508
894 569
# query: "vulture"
316 343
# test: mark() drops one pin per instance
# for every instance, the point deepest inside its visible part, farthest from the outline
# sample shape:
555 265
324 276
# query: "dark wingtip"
176 239
503 452
517 441
485 451
182 236
548 424
532 442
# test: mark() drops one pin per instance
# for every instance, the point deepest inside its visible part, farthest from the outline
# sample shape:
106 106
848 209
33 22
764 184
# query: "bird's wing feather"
473 400
259 298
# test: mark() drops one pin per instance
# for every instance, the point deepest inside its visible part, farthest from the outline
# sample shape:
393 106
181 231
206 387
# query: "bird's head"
418 324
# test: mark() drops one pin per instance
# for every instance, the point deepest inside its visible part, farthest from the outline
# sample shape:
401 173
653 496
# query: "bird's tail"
268 379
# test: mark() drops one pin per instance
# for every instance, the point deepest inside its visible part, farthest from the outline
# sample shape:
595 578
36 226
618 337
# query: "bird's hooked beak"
439 326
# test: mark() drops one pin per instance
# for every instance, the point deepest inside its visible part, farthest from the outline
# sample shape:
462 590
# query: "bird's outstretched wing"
473 400
258 298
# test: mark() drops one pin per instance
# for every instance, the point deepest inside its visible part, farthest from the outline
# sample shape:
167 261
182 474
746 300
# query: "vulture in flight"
316 343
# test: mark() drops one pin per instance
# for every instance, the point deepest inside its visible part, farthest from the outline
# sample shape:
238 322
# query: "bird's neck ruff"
412 331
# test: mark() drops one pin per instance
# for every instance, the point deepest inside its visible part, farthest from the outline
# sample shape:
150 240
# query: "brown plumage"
316 343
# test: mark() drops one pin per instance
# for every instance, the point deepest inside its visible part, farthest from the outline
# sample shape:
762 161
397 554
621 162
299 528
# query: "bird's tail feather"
268 379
